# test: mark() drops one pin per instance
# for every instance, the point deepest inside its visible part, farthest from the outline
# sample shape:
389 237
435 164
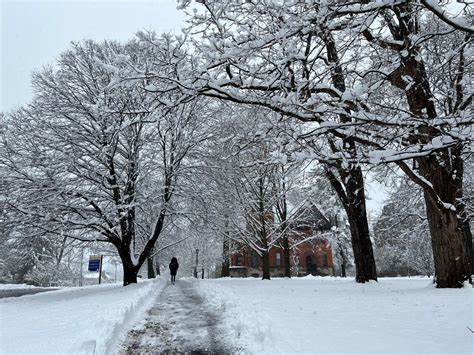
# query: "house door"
311 267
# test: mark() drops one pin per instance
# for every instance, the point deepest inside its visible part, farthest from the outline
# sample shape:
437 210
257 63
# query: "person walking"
173 269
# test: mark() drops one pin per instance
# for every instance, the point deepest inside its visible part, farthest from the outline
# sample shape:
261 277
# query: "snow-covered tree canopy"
122 136
91 151
344 65
384 81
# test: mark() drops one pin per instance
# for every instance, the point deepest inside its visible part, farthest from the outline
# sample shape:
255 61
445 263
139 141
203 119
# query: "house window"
278 259
325 260
238 260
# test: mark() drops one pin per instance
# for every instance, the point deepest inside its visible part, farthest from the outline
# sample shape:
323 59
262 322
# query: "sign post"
95 264
100 269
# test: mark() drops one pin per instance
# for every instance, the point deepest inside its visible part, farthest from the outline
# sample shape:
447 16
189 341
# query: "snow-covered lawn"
84 320
332 315
297 316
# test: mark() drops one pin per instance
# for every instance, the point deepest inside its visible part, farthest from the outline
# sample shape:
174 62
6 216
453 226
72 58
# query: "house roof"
310 216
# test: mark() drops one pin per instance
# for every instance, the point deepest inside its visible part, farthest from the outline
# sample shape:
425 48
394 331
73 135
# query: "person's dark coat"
174 266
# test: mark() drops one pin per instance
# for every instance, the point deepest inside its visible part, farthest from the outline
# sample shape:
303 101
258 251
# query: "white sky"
35 32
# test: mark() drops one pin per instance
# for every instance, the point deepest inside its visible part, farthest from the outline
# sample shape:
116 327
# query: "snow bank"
246 326
334 315
84 320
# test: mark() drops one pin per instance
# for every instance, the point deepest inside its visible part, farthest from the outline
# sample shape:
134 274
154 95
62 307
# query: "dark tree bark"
129 269
352 197
450 239
350 187
442 171
265 265
151 266
286 256
263 231
359 226
129 276
225 271
343 260
468 242
282 210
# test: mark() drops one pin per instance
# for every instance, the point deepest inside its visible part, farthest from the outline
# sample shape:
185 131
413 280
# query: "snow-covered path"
178 322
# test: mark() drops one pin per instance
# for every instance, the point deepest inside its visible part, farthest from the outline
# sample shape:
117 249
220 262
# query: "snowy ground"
84 320
307 315
330 315
179 323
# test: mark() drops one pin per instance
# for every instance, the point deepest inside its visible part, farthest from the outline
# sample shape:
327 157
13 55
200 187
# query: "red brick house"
310 253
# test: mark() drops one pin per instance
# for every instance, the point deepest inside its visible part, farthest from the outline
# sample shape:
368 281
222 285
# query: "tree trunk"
286 256
359 226
352 195
449 235
449 250
130 271
343 269
265 266
225 271
129 275
151 269
343 261
362 246
468 241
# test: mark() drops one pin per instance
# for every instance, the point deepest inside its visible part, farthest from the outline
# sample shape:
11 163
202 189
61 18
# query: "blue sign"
94 263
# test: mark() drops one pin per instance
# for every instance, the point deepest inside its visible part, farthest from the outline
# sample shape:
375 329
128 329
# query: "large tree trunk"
351 193
362 246
359 226
129 275
443 170
450 239
151 267
265 266
130 271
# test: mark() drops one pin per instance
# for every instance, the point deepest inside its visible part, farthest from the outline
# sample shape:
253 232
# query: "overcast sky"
35 32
